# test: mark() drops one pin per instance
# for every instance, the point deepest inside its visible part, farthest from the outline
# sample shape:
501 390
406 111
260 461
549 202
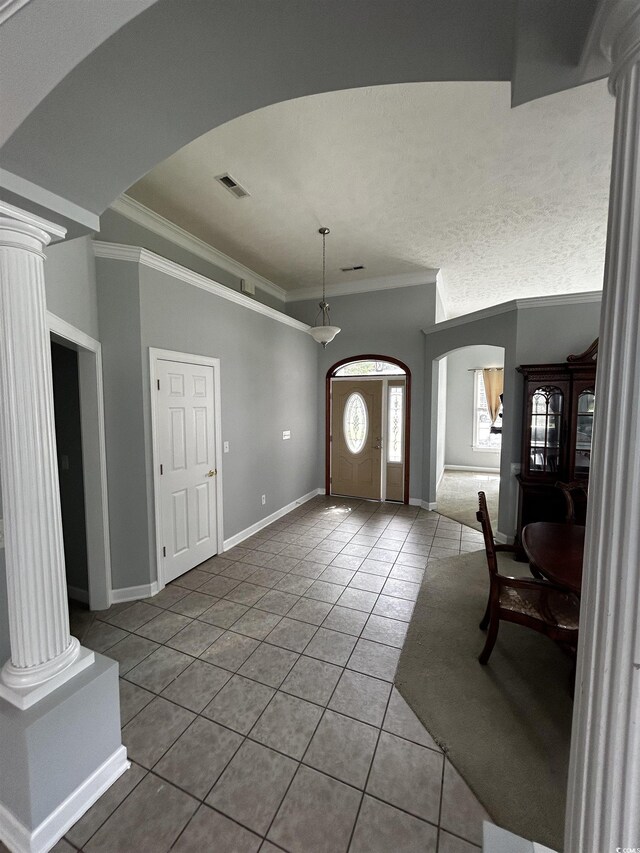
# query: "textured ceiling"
508 203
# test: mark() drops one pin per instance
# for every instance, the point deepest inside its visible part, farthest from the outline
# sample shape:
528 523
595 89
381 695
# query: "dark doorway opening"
66 400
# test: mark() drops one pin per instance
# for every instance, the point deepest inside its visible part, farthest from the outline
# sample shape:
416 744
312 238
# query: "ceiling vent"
232 185
352 269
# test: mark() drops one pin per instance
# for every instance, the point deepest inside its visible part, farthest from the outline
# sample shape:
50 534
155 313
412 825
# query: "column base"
25 696
58 758
498 840
22 840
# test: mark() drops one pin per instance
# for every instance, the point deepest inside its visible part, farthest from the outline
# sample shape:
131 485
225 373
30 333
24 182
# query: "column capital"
23 230
619 24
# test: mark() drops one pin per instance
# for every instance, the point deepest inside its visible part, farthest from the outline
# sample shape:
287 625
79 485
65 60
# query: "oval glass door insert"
355 422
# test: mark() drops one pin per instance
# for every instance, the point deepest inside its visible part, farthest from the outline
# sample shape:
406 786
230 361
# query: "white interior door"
187 458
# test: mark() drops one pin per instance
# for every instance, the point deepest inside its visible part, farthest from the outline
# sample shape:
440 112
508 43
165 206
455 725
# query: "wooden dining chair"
531 602
575 495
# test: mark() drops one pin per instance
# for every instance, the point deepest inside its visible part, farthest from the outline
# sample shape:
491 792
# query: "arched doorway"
367 428
467 430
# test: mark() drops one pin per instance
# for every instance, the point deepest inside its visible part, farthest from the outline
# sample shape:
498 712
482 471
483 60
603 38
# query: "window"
369 368
483 438
395 427
356 422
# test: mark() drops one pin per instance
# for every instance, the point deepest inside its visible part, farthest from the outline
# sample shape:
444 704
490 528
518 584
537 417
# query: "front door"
186 444
356 438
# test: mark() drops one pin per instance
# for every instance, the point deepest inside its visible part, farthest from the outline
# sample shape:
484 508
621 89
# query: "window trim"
477 378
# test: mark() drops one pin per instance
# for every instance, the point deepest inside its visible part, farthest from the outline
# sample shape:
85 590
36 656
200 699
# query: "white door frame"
384 428
156 355
94 458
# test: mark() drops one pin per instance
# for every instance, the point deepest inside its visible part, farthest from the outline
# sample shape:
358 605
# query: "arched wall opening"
499 330
179 69
468 431
404 373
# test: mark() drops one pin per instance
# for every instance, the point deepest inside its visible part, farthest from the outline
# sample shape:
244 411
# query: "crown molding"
24 193
517 305
52 229
137 255
10 7
365 285
147 218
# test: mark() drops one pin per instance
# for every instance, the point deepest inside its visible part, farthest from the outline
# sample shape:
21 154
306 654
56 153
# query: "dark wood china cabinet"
557 426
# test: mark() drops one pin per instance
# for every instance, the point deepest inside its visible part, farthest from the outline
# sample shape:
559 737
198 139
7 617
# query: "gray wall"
557 331
116 228
268 384
385 322
119 311
70 283
460 406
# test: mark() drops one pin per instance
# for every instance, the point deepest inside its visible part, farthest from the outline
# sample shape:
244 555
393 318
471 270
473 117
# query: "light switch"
225 447
286 434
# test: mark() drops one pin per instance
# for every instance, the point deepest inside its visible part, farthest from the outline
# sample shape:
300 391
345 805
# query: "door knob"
212 473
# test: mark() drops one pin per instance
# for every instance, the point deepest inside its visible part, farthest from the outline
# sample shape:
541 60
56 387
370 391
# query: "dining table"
556 550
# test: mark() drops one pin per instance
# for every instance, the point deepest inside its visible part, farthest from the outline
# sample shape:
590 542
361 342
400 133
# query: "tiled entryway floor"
257 700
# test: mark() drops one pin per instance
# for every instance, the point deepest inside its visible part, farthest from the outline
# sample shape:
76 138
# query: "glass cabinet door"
546 430
584 430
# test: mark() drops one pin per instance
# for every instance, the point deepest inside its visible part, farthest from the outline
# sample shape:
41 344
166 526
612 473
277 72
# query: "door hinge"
158 384
161 470
164 551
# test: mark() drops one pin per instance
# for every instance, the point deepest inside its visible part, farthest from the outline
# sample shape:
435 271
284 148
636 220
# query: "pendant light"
322 331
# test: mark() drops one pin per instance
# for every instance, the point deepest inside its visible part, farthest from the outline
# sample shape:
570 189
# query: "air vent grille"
353 268
232 185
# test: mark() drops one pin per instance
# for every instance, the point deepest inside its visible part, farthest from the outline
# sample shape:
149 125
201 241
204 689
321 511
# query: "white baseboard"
503 539
78 594
473 469
423 504
133 593
237 538
19 839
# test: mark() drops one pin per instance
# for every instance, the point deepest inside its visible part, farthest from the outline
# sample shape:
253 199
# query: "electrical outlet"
264 500
225 447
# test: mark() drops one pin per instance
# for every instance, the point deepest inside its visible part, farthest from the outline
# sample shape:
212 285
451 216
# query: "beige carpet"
457 496
506 726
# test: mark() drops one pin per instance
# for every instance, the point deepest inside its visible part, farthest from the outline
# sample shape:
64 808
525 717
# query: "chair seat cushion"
547 605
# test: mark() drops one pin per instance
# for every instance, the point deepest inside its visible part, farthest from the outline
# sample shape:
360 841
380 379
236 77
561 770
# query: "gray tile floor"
257 702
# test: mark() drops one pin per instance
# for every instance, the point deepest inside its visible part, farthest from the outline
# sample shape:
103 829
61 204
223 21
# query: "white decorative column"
603 805
43 654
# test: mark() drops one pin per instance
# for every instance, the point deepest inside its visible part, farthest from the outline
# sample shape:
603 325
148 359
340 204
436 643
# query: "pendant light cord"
324 256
